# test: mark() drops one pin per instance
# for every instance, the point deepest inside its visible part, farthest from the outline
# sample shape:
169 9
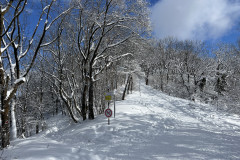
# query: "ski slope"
149 125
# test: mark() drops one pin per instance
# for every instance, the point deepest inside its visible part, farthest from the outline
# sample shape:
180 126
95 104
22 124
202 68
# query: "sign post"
108 114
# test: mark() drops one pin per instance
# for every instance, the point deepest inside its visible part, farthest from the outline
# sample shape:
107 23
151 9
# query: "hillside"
148 125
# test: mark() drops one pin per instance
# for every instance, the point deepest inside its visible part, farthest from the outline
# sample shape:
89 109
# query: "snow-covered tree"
103 25
18 50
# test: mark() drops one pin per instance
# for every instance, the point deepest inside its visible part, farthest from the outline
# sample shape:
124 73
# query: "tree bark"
126 86
90 99
84 102
5 125
13 120
69 106
147 75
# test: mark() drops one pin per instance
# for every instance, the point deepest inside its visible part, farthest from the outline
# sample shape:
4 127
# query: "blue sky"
206 20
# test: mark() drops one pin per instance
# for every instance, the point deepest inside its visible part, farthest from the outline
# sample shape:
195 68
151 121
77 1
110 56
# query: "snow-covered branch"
60 15
10 92
16 14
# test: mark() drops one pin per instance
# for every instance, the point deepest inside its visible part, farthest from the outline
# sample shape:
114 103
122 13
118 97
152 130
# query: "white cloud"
194 19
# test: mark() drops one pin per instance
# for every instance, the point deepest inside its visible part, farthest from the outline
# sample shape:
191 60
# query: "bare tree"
18 52
101 26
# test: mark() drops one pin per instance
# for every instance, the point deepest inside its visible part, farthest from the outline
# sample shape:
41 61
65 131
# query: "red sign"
108 112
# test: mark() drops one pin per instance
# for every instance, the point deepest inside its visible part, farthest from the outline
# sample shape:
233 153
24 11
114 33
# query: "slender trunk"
186 86
68 105
64 98
195 83
116 81
161 79
23 128
129 84
126 86
167 76
13 120
84 102
57 103
84 93
69 108
90 99
24 125
147 75
37 128
131 88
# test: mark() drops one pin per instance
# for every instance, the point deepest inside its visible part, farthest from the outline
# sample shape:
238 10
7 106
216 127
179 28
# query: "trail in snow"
148 125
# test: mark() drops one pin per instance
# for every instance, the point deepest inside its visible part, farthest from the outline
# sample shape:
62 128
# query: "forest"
60 57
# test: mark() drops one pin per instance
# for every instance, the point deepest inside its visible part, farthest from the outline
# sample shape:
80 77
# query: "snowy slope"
148 125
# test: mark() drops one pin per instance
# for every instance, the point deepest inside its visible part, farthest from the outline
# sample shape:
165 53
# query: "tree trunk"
131 88
167 76
90 99
186 86
129 84
126 86
84 102
161 79
13 120
68 104
69 108
5 125
147 75
24 112
37 128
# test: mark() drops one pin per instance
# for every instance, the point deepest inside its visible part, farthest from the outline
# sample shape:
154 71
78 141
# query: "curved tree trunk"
68 105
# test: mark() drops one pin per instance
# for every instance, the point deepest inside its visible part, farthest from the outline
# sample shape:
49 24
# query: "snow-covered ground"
149 125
